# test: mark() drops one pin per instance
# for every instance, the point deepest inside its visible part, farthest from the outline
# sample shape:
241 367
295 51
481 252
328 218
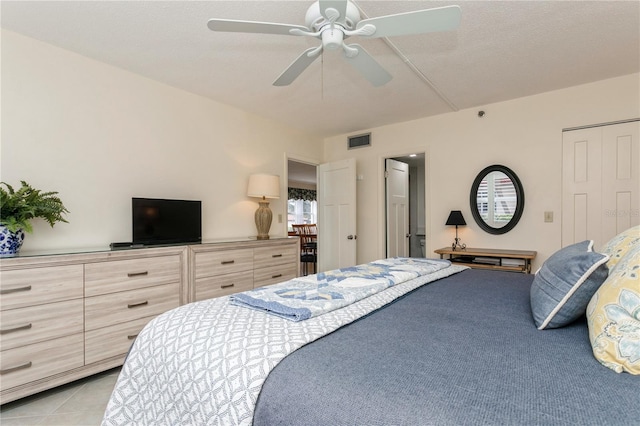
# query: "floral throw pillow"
619 245
613 315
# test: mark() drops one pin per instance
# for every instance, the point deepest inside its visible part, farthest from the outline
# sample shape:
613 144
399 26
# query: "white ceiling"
502 50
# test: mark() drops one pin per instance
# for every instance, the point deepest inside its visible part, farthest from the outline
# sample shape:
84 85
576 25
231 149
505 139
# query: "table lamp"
263 186
456 218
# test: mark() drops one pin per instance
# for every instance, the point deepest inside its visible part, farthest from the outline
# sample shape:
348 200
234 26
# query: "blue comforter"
461 351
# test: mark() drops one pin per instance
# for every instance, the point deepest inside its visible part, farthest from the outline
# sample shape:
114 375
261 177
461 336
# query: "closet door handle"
17 328
15 289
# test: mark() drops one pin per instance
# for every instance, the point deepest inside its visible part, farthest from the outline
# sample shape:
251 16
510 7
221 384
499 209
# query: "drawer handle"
17 367
276 276
227 285
132 336
15 290
276 255
135 305
17 328
227 262
137 274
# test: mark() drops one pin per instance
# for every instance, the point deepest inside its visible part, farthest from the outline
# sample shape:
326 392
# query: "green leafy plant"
17 208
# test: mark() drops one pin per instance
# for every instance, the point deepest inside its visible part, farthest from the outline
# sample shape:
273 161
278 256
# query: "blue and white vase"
10 242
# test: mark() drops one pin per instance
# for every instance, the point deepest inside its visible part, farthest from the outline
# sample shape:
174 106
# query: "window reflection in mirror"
497 199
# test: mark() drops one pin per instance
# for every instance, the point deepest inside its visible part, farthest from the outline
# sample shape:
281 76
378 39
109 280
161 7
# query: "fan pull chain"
322 78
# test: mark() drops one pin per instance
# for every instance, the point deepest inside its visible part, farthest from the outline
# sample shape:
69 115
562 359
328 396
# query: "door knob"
349 237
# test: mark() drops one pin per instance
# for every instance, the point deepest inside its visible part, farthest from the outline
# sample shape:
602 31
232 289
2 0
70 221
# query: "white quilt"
205 363
302 298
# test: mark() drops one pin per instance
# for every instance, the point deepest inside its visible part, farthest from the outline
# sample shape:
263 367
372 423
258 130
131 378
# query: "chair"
307 233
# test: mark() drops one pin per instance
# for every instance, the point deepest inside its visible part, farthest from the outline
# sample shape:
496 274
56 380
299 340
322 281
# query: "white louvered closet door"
600 182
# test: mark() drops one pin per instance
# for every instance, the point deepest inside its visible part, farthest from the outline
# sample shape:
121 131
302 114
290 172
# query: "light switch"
548 217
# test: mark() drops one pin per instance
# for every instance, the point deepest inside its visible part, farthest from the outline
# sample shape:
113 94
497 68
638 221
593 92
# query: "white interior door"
397 207
600 182
620 178
337 215
581 185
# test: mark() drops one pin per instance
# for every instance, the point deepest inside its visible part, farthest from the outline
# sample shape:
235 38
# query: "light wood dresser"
219 270
67 316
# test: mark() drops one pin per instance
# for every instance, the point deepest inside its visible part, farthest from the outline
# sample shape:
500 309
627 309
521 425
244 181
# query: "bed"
454 347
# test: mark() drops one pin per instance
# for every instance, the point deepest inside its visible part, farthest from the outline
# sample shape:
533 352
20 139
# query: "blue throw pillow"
565 283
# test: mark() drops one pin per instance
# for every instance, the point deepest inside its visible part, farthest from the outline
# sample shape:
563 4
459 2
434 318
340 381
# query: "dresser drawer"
269 256
223 262
25 326
114 340
27 287
115 308
120 275
223 285
274 274
33 362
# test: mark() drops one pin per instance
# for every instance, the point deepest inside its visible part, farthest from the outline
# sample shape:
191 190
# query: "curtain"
302 194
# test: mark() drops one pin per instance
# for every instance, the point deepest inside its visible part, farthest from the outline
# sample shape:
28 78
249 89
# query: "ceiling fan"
332 21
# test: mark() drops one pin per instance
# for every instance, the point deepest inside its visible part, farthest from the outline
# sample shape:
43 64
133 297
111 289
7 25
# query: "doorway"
415 231
302 197
302 211
335 189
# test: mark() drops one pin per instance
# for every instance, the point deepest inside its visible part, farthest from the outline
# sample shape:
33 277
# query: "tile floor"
81 403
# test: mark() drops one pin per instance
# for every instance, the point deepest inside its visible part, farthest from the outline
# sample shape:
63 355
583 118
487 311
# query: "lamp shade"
455 218
264 186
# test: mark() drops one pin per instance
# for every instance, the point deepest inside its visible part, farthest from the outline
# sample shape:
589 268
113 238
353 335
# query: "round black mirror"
497 199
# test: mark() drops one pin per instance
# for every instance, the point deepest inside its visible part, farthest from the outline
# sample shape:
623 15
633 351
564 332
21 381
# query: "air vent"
359 141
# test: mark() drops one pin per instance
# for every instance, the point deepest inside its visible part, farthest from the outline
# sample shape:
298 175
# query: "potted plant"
17 208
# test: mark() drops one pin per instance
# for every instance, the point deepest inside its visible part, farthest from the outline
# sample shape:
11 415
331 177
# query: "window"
301 211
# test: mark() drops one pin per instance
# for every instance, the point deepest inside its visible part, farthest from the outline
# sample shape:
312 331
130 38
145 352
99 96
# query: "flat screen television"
158 221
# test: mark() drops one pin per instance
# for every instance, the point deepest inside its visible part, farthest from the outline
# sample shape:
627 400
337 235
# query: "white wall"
523 134
100 135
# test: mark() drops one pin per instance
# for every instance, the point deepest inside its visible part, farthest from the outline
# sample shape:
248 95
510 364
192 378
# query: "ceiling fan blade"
297 67
368 66
418 22
339 5
229 25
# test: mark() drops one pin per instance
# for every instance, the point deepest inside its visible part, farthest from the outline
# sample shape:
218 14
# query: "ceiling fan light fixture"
332 39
